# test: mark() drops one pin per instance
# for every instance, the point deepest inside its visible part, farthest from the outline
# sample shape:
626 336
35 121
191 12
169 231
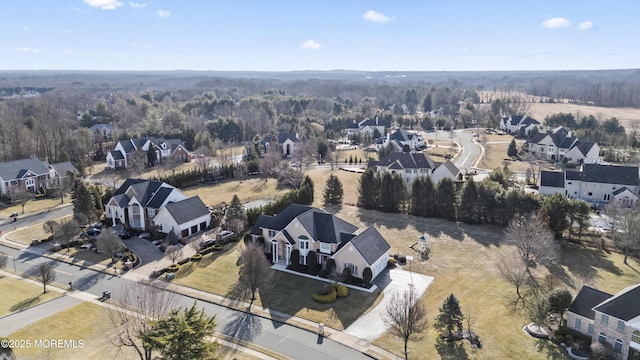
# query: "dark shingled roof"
63 168
159 198
263 221
280 221
370 244
606 174
187 209
400 135
586 300
621 190
567 142
552 178
121 199
625 305
374 122
149 193
127 145
117 155
410 160
584 146
125 185
17 169
515 119
325 227
529 121
284 135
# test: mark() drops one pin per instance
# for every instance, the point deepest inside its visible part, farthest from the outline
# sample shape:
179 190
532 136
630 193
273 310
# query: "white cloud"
377 17
556 23
136 5
164 13
104 4
587 25
311 45
26 28
26 50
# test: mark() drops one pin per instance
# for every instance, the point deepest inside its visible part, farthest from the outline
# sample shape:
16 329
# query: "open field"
32 206
349 180
496 152
626 115
92 329
18 295
247 190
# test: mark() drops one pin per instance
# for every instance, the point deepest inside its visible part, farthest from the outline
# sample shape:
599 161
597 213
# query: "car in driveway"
206 243
225 235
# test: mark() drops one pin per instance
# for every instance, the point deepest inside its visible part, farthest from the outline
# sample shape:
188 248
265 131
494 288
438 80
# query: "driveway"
146 251
395 281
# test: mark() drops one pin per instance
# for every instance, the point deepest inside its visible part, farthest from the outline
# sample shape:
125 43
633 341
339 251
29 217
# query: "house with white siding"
413 164
560 145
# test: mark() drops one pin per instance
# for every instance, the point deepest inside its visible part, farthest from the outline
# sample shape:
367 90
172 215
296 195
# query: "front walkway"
394 281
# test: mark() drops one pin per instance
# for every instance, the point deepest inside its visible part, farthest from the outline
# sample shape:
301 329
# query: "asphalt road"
284 339
7 225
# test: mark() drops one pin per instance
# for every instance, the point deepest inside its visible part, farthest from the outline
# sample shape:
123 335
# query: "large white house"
560 145
597 184
401 137
514 123
369 127
120 156
413 164
612 319
308 230
146 204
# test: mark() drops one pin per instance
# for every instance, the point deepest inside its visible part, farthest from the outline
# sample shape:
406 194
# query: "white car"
226 235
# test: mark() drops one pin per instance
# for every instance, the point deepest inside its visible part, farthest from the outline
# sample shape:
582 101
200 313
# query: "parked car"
124 234
226 235
206 243
93 231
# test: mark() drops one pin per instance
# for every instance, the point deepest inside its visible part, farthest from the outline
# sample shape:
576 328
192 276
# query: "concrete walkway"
395 281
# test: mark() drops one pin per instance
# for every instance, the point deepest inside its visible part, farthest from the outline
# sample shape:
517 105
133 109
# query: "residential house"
165 149
612 319
32 175
515 124
308 229
401 137
61 171
369 127
286 142
560 145
597 184
412 164
142 205
101 132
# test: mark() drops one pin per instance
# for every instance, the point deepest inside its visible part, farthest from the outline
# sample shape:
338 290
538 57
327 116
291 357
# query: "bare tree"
50 226
173 252
21 196
255 271
534 241
46 273
67 232
196 244
405 316
137 161
514 271
109 243
4 258
534 166
145 303
614 212
630 228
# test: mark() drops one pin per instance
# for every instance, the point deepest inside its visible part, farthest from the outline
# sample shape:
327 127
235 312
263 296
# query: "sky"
286 35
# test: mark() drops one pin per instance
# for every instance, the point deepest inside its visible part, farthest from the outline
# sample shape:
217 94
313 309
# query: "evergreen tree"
82 200
236 216
423 197
333 191
369 190
393 192
426 104
152 157
450 318
554 210
513 149
305 192
469 209
446 199
183 335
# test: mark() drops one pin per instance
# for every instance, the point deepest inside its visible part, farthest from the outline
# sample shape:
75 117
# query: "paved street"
14 322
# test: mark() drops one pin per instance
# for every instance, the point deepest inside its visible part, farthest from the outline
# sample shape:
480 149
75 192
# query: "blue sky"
262 35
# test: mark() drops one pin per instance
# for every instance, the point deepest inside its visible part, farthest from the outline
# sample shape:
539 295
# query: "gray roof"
100 127
187 209
452 167
400 135
263 221
586 300
584 146
374 122
17 169
410 160
121 199
621 190
62 169
528 121
552 178
624 305
325 227
284 135
279 221
127 145
515 119
149 193
536 138
606 174
370 244
160 196
117 155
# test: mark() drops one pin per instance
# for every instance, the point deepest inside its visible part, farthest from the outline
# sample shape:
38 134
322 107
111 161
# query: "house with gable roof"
286 142
368 127
165 149
401 137
560 145
597 184
142 205
309 229
413 164
514 123
101 132
32 175
612 319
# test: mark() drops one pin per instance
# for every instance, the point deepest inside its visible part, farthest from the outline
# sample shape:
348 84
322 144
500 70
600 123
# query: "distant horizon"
288 36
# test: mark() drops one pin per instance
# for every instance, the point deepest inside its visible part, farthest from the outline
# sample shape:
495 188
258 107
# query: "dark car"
124 234
93 231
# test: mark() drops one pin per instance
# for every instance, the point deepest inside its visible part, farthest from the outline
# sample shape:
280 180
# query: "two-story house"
286 142
413 164
401 137
101 132
373 128
560 145
165 149
142 205
308 229
612 319
514 123
597 184
32 175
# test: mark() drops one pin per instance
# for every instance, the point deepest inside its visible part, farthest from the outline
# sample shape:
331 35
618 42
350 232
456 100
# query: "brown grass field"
626 115
18 295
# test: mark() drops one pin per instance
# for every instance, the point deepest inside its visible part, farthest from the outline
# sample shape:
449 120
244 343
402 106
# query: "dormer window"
325 248
163 146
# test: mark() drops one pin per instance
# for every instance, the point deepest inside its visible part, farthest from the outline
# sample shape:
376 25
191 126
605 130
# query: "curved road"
281 338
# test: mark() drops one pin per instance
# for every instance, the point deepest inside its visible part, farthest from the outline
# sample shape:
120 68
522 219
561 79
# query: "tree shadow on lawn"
25 304
584 263
550 349
485 234
451 350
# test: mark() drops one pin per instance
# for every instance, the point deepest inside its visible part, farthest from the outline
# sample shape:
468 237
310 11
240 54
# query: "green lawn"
18 295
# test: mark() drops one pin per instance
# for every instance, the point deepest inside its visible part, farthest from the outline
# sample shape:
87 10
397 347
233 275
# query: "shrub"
205 251
341 290
312 259
559 338
569 338
217 247
325 295
391 263
172 268
330 266
402 259
196 257
367 275
294 258
183 261
346 273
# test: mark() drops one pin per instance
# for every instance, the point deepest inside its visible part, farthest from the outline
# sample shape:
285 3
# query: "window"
602 338
136 209
353 268
569 182
590 329
303 259
617 347
151 212
272 233
578 324
590 194
604 320
304 245
325 248
621 325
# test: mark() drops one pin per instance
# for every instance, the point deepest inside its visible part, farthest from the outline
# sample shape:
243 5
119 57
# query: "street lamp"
14 265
